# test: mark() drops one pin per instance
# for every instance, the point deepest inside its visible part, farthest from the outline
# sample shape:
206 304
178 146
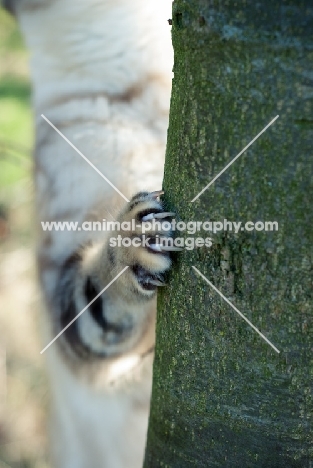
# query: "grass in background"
23 388
16 128
16 137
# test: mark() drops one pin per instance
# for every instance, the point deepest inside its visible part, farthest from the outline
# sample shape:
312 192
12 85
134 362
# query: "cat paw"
146 243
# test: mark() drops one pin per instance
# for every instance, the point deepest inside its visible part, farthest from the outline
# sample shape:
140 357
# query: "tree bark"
222 396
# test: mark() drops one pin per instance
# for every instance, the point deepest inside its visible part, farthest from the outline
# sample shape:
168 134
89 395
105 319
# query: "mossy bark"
222 397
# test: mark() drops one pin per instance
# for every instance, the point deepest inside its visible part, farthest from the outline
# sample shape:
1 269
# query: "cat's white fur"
93 427
101 72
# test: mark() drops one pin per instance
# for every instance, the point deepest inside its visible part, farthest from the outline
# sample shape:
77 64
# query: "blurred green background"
23 390
16 130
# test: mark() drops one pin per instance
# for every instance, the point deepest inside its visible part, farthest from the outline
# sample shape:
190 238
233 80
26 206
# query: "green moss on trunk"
222 397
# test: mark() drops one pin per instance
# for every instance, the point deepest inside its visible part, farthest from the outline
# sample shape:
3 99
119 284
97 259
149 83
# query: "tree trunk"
222 396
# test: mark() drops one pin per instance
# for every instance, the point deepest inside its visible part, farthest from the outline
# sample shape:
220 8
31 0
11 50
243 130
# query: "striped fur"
101 73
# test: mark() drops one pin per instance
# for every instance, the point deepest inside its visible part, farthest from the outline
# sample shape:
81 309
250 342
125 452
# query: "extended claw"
172 248
147 217
157 194
155 247
157 282
157 216
163 215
